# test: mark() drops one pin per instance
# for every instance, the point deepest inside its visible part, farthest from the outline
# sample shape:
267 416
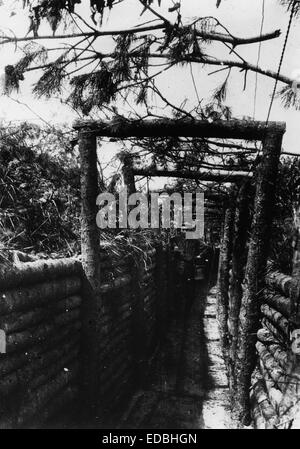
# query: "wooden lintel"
234 129
189 174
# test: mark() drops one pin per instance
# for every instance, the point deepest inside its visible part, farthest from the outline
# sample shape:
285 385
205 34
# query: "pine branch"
233 40
229 63
205 60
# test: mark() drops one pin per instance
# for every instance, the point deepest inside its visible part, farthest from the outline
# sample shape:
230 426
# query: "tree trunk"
296 243
92 307
89 190
239 258
223 276
256 268
128 174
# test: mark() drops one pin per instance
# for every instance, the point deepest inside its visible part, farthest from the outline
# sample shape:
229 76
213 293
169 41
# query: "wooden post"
296 242
239 258
90 250
186 127
223 275
214 176
128 174
255 269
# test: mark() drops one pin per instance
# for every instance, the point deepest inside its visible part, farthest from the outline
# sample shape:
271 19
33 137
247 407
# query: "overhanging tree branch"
233 40
244 66
136 49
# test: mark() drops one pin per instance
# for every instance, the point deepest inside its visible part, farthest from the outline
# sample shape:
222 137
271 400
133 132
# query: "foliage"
106 78
289 5
33 52
54 11
289 97
39 190
96 89
287 196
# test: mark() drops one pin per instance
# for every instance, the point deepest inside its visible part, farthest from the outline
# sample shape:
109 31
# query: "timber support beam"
186 127
266 177
90 250
216 176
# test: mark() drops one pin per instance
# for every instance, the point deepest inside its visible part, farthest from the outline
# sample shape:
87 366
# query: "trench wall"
42 307
275 386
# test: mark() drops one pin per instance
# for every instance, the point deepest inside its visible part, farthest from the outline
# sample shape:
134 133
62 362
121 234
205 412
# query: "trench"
186 385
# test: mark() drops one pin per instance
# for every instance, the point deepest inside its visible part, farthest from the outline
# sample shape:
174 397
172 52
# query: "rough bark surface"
91 266
235 129
128 175
223 276
255 269
215 176
239 258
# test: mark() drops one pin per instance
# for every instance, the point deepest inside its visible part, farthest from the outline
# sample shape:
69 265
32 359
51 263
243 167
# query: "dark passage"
184 385
179 380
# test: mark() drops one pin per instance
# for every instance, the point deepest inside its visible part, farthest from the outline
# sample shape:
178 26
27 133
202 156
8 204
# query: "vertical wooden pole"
128 174
266 175
295 291
91 268
296 243
239 258
223 275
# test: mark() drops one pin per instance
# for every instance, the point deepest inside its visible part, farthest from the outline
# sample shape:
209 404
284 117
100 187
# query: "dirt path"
187 386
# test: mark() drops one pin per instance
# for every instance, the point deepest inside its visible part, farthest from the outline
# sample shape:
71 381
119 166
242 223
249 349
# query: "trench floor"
186 387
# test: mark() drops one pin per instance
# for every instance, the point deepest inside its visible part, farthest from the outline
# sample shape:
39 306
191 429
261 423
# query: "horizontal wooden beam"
234 146
216 199
216 176
213 211
234 129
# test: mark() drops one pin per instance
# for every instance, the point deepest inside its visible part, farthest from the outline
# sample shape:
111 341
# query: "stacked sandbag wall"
42 339
275 390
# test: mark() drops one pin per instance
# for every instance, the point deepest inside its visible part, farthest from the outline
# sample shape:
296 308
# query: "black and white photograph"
149 218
